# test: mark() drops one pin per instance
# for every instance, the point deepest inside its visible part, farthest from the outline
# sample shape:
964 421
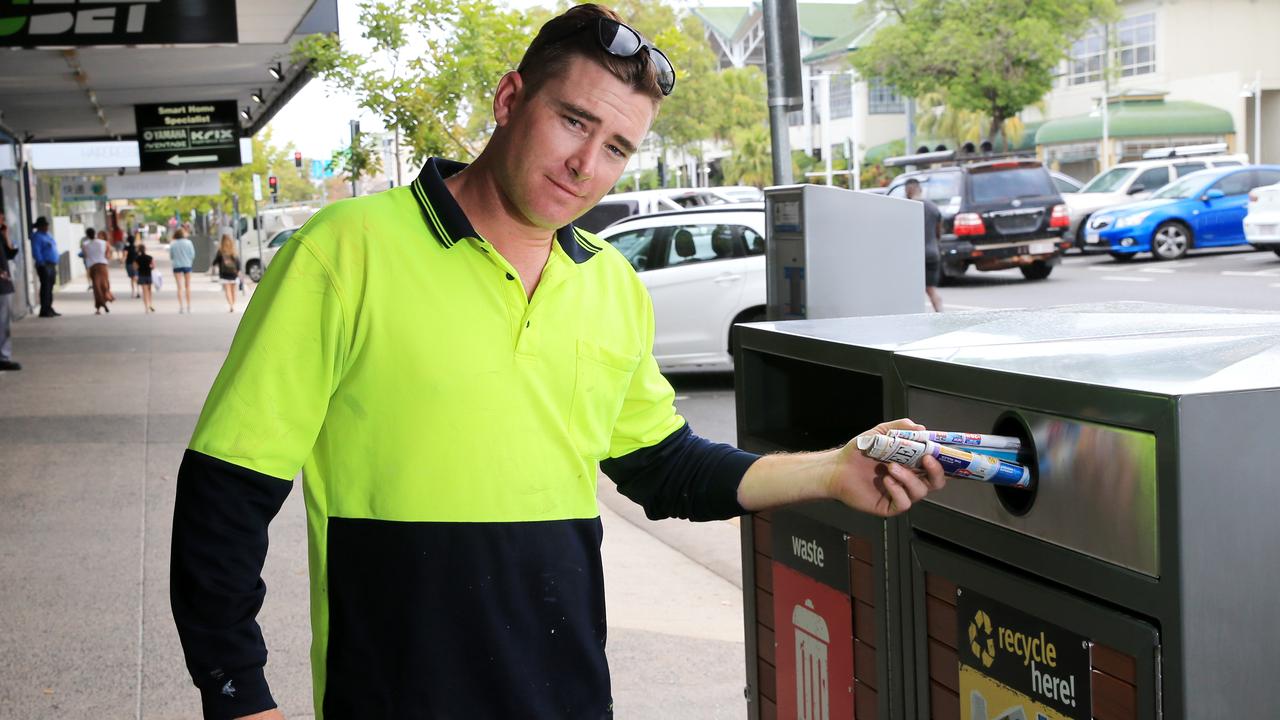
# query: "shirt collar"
449 224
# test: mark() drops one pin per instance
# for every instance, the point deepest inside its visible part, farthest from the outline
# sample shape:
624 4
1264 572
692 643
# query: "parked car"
705 270
1203 209
1136 180
996 213
616 206
1262 219
254 267
1065 183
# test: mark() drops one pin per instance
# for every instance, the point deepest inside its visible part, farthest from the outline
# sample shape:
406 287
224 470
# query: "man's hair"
179 234
573 34
88 232
912 183
42 221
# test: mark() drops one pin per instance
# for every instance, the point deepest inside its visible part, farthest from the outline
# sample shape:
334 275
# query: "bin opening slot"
797 405
1018 501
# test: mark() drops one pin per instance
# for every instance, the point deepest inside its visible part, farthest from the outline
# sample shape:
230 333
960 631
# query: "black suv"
996 213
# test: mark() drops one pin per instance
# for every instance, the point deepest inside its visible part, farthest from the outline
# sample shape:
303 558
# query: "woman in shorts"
183 255
228 267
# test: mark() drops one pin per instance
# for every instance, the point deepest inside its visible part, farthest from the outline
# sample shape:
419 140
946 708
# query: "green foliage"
435 64
993 57
359 160
752 160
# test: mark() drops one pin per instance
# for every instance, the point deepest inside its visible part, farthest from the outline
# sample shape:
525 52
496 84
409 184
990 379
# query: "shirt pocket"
600 387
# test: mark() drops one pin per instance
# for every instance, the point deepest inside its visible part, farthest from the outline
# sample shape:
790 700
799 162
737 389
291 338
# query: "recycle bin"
1127 582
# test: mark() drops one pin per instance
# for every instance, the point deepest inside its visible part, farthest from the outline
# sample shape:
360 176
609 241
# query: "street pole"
1106 99
824 92
355 131
910 148
780 25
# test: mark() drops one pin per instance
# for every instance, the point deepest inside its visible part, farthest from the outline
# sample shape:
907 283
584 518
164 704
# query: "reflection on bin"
813 696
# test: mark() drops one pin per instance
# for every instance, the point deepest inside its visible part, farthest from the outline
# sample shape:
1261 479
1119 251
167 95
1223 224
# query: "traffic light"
297 160
274 183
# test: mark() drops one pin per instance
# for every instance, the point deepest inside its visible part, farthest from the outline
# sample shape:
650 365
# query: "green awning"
1140 118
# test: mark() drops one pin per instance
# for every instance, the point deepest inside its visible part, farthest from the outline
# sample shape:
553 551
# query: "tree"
752 160
433 66
938 119
359 160
993 57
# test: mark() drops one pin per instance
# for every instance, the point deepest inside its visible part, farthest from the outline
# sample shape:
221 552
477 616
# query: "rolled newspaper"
955 461
969 440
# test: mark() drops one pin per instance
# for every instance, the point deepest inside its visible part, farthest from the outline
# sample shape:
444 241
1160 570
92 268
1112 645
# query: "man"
450 362
44 251
932 253
7 253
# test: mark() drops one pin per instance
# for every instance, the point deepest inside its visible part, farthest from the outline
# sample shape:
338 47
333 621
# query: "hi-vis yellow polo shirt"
449 430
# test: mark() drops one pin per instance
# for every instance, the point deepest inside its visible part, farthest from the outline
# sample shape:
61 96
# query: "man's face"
567 144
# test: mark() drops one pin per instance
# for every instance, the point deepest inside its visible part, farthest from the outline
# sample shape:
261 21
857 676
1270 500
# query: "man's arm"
843 474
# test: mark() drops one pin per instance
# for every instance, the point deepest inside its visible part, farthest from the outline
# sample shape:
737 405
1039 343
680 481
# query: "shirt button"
510 276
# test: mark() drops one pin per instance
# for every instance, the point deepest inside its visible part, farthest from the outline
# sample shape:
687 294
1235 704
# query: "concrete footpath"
91 434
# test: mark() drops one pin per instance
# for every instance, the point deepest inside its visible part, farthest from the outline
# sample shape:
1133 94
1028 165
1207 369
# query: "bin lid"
998 327
1169 353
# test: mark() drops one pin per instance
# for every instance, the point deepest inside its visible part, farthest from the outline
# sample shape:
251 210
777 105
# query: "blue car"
1203 209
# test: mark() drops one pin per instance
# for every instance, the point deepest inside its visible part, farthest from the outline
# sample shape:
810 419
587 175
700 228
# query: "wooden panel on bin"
864 664
943 704
941 621
864 587
768 711
865 704
944 666
864 622
763 531
860 548
941 588
768 680
764 608
1113 699
1114 663
764 643
764 572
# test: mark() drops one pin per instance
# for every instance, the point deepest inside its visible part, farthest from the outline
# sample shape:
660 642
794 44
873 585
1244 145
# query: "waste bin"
1130 582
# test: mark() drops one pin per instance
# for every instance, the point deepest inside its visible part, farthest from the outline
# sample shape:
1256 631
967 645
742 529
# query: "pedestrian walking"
44 251
130 266
97 255
183 255
7 253
452 361
145 264
932 253
228 266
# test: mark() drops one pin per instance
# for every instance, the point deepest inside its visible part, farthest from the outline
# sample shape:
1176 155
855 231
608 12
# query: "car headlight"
1129 221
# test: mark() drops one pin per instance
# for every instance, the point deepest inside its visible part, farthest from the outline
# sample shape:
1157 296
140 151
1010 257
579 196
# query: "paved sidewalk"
91 434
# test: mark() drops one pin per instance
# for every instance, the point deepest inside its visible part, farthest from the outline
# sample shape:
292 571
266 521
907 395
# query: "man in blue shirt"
45 252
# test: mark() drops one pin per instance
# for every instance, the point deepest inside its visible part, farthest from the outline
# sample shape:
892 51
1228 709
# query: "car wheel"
1037 270
751 317
1170 241
951 271
254 269
1123 257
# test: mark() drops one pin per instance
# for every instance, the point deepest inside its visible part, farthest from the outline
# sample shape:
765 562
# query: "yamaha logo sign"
24 23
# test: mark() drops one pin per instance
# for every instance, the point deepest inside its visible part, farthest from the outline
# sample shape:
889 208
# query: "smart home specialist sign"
181 136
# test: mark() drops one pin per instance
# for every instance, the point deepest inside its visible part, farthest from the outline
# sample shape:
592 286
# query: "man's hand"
272 714
844 474
879 488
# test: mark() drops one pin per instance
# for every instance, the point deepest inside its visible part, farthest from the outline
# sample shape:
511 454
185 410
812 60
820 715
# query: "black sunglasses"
622 41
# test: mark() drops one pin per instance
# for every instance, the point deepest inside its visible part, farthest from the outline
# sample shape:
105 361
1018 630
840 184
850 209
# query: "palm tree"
954 127
752 160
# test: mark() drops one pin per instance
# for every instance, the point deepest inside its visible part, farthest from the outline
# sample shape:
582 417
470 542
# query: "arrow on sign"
180 159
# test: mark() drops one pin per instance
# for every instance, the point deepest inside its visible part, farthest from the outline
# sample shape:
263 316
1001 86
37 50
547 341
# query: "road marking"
957 306
1108 268
1127 278
1250 273
1161 271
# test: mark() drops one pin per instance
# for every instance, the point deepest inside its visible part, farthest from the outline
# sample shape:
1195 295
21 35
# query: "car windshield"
991 186
1180 189
1109 181
939 187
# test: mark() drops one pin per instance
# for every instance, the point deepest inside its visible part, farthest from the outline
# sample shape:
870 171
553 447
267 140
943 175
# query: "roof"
865 22
1140 118
819 21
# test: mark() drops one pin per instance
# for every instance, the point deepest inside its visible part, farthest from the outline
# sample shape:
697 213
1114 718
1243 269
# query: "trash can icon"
813 685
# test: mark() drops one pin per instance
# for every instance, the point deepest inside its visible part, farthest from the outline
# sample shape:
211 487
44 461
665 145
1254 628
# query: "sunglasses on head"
622 41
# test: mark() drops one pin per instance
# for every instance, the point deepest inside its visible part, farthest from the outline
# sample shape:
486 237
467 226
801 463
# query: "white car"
254 267
704 268
616 206
1132 181
1262 220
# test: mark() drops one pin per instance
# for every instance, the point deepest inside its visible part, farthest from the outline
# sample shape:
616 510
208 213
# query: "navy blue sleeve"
684 476
220 523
